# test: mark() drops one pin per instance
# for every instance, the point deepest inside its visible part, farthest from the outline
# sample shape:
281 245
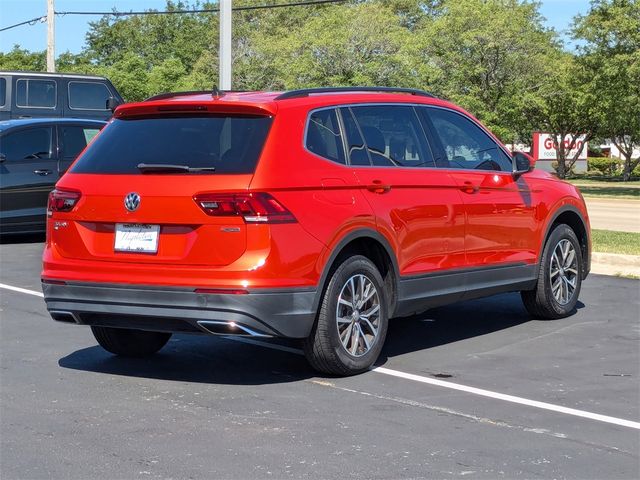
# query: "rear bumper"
279 313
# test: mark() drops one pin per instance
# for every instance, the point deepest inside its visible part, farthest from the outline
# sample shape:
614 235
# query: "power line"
33 21
204 10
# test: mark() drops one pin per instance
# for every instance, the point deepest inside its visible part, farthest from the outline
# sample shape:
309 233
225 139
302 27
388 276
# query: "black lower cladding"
275 313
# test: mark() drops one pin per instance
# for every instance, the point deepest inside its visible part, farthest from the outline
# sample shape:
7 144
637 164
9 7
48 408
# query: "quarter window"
465 144
35 93
323 135
28 144
393 136
88 96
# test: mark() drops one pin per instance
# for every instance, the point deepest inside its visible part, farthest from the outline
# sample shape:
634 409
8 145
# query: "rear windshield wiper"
168 168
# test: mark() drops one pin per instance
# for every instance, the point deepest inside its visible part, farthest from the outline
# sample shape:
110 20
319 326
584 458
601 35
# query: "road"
614 214
210 407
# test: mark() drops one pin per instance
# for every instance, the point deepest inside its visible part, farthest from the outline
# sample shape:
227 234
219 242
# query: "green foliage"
21 59
603 165
485 56
610 54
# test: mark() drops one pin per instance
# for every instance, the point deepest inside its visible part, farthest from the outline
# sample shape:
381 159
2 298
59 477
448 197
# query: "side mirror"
3 157
521 163
112 103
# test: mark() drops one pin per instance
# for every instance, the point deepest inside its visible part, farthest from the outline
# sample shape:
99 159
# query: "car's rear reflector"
62 200
257 207
221 291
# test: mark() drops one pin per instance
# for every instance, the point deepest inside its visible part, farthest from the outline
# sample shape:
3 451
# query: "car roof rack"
305 92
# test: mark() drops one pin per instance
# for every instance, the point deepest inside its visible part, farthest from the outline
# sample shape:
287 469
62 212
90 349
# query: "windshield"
229 144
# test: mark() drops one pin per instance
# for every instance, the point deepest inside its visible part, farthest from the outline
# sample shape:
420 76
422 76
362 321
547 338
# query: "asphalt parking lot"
457 395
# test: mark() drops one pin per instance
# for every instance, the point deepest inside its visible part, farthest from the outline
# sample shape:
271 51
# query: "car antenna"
217 93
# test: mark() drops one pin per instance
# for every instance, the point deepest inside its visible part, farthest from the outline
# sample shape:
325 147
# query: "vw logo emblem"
132 201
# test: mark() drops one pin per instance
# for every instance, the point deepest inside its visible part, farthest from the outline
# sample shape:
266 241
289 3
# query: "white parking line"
509 398
430 381
21 290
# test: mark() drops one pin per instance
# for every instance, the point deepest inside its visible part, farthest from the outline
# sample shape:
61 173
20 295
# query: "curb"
615 264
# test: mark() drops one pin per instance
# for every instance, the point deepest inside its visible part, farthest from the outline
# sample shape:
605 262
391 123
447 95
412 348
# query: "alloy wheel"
358 315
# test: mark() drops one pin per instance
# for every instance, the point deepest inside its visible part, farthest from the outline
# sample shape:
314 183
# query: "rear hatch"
138 183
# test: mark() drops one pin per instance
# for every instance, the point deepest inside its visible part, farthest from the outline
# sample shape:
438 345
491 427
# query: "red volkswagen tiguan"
315 214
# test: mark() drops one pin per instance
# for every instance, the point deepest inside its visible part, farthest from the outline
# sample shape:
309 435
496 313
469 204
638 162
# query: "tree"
565 107
610 55
487 54
21 59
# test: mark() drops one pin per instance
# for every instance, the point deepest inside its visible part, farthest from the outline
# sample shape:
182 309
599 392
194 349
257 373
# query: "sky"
71 30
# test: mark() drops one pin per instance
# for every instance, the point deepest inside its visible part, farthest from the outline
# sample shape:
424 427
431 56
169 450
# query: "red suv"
316 214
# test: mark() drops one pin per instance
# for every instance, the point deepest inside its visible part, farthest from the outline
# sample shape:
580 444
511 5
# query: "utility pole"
51 40
224 58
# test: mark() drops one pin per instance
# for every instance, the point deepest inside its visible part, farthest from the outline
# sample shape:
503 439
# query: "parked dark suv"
35 94
34 153
311 214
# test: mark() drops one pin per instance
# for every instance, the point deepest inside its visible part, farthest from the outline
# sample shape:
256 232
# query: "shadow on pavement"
22 238
207 359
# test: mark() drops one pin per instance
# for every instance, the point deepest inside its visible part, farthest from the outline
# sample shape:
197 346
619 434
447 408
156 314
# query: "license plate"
136 237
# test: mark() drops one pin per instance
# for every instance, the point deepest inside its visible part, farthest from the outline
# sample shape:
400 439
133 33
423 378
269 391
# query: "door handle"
378 187
469 187
43 173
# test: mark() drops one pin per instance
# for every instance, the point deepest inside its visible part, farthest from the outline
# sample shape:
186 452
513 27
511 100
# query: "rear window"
230 144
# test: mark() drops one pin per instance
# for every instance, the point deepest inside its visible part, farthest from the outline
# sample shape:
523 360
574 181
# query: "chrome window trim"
87 109
55 91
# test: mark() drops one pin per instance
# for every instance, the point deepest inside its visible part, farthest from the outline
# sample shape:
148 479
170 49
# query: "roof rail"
305 92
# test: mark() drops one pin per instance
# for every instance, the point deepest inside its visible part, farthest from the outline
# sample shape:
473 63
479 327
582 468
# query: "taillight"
253 207
62 201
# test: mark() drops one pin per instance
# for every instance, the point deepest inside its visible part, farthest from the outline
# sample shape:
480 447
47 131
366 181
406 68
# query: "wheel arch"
375 247
571 216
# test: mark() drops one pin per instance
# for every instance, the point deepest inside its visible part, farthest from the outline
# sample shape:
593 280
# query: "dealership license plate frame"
136 238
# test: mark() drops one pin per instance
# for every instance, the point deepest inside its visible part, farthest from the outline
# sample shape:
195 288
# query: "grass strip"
609 241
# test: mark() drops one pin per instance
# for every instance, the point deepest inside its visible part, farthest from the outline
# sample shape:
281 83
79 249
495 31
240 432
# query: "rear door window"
88 96
28 144
393 135
323 135
34 93
465 144
230 144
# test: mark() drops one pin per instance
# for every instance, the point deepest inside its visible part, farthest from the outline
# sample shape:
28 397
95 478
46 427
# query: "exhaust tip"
218 327
64 317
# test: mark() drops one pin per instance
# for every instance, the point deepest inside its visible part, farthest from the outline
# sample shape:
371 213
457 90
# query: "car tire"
559 278
130 343
350 329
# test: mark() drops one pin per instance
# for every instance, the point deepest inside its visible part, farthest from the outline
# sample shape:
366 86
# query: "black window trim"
429 135
26 79
87 109
440 147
